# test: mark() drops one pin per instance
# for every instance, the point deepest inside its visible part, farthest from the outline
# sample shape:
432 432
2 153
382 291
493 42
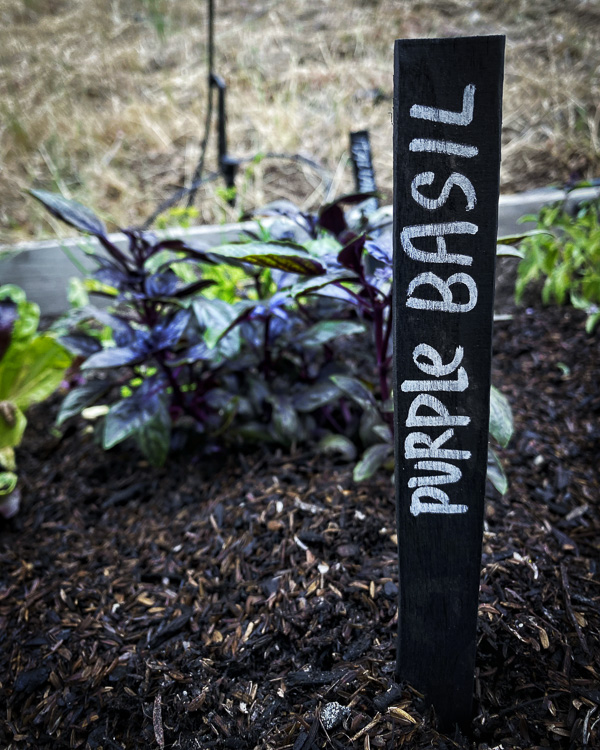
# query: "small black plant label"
447 120
362 165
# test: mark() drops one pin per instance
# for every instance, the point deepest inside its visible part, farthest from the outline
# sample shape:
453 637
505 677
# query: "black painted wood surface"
447 120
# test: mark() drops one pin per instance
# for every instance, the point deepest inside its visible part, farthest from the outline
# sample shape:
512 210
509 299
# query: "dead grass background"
105 102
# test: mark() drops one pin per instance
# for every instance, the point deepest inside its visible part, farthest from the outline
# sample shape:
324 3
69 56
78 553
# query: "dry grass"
106 101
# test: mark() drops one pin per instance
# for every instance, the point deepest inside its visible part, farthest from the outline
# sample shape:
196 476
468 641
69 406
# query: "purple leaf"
197 353
114 357
310 286
247 314
331 216
282 279
162 284
285 419
351 256
197 286
80 398
318 395
79 343
357 391
113 250
328 330
333 291
123 333
166 337
111 276
379 252
353 198
8 315
306 222
70 212
144 415
332 219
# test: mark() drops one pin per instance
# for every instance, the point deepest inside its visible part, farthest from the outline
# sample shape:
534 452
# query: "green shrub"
566 254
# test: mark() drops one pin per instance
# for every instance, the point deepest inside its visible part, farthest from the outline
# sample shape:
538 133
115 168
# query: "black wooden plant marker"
362 164
447 118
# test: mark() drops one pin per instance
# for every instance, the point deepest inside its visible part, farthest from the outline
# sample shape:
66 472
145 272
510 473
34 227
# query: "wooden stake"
447 119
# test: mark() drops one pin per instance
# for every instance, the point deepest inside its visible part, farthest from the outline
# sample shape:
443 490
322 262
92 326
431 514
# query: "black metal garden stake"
447 119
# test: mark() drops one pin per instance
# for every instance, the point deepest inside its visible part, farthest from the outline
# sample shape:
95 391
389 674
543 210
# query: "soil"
251 603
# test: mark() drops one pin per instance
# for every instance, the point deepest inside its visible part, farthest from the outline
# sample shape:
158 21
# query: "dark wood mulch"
252 603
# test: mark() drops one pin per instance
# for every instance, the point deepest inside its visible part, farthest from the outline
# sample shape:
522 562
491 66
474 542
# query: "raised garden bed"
251 603
42 269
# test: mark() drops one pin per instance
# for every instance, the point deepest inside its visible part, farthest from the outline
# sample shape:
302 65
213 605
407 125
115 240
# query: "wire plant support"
228 164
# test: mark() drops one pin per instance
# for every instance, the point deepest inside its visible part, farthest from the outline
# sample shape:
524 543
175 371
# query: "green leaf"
31 374
495 472
513 239
328 330
527 271
509 252
8 482
25 326
501 419
338 445
77 295
80 398
372 459
579 302
592 322
7 459
527 218
284 256
93 286
12 425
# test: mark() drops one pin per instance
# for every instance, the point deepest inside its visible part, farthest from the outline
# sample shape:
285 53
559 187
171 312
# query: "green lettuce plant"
32 366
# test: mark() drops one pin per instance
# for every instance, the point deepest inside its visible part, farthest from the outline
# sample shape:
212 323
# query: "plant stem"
359 299
385 359
380 352
267 350
388 331
178 398
327 413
